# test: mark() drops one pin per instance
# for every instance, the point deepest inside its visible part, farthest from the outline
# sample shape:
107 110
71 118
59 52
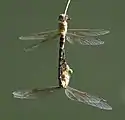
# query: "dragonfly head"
63 18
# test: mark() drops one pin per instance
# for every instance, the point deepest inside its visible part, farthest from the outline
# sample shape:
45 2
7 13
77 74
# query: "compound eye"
67 17
60 17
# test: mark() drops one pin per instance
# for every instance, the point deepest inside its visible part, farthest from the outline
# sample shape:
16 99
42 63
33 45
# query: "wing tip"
105 106
16 95
109 108
27 50
20 38
22 95
107 32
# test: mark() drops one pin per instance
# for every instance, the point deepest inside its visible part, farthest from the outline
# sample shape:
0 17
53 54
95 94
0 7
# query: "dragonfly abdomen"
61 48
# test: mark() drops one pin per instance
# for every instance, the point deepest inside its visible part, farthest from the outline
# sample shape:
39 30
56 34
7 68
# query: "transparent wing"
33 46
82 36
43 37
88 32
86 36
39 36
34 93
83 40
36 45
86 98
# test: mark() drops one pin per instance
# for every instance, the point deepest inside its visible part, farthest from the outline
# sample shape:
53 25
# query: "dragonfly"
71 93
72 36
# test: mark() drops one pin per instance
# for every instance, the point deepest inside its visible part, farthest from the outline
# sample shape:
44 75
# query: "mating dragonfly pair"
82 36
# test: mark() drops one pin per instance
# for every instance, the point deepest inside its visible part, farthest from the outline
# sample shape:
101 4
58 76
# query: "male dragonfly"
71 93
82 36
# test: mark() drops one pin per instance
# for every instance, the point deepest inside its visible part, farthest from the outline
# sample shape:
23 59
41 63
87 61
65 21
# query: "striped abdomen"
61 48
62 31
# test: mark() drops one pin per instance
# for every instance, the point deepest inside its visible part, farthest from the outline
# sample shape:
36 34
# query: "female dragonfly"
71 93
82 36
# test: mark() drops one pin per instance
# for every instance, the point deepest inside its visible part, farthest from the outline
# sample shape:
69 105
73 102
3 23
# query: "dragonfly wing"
42 36
34 93
88 32
84 40
36 45
33 46
39 36
86 98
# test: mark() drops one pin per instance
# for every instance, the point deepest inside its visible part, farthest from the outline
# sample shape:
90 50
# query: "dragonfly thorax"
63 28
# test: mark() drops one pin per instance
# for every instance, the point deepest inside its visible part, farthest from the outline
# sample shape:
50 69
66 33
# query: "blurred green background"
98 70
